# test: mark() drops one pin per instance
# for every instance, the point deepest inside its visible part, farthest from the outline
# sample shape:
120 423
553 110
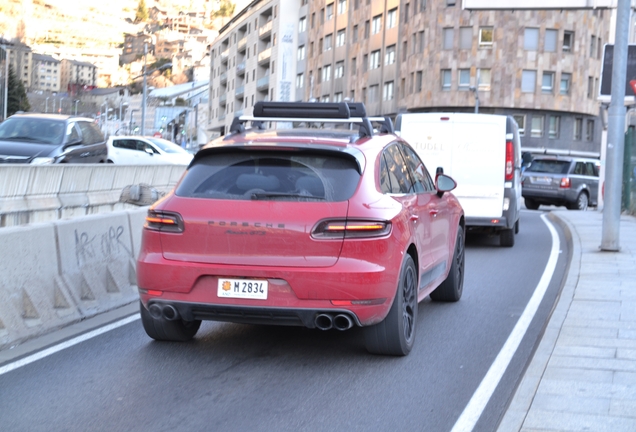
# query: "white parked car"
137 150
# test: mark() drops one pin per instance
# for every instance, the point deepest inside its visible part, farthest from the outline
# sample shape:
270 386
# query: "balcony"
240 92
265 30
240 69
225 55
223 77
242 43
264 56
223 99
263 83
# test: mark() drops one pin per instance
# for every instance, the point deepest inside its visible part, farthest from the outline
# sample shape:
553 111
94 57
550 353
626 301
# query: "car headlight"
42 161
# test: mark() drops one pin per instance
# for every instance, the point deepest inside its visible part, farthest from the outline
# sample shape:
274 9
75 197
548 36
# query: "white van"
482 152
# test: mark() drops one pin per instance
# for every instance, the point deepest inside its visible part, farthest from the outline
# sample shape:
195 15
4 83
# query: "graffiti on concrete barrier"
100 246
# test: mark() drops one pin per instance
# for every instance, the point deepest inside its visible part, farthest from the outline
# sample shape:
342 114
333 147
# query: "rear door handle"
85 154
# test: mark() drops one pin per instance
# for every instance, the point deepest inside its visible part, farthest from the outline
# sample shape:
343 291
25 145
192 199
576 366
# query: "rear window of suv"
275 175
549 166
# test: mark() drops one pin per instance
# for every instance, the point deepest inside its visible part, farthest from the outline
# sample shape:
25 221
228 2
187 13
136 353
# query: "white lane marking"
469 417
67 344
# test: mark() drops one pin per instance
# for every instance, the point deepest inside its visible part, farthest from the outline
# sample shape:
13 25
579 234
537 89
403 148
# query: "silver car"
562 181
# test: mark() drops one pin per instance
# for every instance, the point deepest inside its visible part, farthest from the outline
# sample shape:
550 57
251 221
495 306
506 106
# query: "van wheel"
507 237
451 289
395 335
163 330
531 204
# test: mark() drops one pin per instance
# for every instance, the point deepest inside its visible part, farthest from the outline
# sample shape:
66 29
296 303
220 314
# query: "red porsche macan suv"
322 227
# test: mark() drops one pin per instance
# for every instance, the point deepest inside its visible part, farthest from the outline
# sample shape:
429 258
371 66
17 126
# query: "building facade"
21 59
46 73
542 67
76 74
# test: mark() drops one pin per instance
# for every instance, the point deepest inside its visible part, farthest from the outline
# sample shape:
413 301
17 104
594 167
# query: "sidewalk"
583 374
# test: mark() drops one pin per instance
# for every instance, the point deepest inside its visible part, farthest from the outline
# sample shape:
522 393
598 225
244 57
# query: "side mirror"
72 143
444 183
149 151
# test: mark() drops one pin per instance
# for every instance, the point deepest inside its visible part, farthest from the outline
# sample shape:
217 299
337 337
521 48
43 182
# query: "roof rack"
315 112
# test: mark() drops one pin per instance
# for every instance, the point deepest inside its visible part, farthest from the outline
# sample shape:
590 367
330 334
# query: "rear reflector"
338 229
358 302
164 221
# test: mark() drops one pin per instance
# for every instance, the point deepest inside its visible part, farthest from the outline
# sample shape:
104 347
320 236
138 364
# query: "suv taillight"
164 221
510 162
338 229
565 183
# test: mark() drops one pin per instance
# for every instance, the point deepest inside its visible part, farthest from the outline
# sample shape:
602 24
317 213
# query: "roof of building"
44 58
179 89
81 63
239 16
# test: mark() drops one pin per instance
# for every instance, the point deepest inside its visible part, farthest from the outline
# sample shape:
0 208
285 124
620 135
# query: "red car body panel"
271 240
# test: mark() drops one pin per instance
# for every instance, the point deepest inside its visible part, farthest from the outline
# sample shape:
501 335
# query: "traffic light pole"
616 133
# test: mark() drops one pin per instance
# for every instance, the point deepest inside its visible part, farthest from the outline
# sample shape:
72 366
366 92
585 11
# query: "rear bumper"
251 314
550 196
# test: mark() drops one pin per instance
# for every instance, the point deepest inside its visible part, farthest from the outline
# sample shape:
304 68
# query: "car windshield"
167 146
275 175
550 166
32 130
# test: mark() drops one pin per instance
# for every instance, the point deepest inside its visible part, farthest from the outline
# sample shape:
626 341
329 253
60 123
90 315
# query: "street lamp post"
76 101
143 97
46 105
132 111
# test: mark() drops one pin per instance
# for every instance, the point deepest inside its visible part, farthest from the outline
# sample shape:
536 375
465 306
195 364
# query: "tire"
507 237
451 289
395 335
531 204
581 203
164 330
517 227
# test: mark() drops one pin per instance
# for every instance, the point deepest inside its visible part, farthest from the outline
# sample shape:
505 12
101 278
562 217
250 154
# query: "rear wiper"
259 195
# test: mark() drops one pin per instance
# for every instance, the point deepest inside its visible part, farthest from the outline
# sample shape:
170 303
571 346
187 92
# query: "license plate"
243 288
542 180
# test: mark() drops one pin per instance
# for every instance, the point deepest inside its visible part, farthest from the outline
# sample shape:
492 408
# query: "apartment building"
46 73
21 59
134 46
543 67
77 73
257 57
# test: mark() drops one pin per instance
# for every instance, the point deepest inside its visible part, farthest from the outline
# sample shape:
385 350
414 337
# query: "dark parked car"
561 181
51 138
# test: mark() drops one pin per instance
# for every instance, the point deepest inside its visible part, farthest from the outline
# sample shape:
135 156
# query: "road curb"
523 397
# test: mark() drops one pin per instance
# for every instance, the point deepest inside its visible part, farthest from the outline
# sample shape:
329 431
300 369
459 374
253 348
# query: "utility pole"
616 133
143 97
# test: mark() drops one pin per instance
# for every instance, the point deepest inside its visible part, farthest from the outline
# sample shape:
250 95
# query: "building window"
339 71
553 126
592 46
301 52
391 18
484 79
446 79
342 6
340 38
485 36
568 41
374 60
465 38
328 42
389 55
404 51
354 35
302 25
589 130
531 39
447 40
590 87
418 81
406 12
537 126
325 98
578 128
450 2
373 93
528 81
521 122
367 29
464 79
354 64
319 75
550 43
365 63
547 82
300 80
376 25
566 79
329 11
326 73
337 97
420 41
387 95
599 54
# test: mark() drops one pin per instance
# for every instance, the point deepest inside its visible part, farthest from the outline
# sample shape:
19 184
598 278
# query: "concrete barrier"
33 194
57 273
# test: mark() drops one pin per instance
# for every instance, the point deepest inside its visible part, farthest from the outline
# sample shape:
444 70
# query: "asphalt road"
256 378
